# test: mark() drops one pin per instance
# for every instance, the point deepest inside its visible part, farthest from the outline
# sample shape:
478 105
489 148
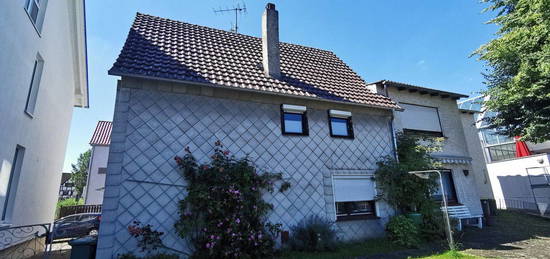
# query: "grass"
349 250
450 255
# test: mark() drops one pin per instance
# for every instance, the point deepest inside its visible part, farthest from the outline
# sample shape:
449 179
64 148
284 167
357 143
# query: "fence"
70 210
526 206
24 241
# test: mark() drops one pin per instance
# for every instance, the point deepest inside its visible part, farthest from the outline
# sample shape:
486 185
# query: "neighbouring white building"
95 185
43 74
518 179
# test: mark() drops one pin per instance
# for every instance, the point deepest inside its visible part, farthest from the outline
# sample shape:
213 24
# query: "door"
448 185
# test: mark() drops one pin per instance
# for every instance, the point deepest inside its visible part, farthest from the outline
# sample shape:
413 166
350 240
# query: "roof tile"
167 49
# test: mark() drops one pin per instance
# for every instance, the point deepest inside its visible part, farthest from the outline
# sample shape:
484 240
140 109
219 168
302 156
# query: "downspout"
392 117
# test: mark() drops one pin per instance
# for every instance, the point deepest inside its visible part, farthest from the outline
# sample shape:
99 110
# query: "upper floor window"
36 9
294 120
34 85
340 124
421 120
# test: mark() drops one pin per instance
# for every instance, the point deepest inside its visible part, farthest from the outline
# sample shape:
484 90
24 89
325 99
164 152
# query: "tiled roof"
65 177
420 89
102 134
166 49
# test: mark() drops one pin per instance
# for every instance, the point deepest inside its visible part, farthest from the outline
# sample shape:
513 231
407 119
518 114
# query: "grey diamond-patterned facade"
187 85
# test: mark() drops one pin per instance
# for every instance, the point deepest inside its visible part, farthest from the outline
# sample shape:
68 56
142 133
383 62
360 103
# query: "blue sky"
425 43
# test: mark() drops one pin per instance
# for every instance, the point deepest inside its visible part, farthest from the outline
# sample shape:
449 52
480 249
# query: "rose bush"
223 214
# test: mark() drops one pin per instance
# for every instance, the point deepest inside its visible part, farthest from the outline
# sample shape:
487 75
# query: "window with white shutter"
422 120
354 197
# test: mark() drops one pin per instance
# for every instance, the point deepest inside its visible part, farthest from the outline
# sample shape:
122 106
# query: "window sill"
356 217
342 137
295 134
29 114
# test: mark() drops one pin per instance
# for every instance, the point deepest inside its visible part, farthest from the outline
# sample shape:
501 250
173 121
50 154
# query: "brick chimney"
270 42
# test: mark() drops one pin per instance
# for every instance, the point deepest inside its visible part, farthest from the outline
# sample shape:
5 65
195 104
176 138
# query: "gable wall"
154 121
96 181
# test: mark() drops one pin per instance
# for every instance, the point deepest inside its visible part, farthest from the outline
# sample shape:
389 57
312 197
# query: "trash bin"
415 217
488 212
83 248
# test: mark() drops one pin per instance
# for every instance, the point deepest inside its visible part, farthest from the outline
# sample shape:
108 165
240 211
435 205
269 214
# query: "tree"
80 172
518 77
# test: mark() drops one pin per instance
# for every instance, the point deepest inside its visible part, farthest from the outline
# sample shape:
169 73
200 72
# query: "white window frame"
13 183
34 86
39 20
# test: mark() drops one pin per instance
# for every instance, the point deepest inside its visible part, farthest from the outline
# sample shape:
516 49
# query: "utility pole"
238 9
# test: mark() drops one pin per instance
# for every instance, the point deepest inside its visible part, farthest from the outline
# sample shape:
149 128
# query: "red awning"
521 148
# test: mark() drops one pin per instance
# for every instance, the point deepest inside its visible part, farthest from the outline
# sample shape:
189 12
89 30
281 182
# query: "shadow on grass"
371 248
508 227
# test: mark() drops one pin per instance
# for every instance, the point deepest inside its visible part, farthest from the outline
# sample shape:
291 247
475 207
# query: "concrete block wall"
475 150
156 120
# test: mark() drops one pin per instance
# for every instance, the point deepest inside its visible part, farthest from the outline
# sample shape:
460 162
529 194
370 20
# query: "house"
44 75
518 173
66 188
430 112
95 184
294 109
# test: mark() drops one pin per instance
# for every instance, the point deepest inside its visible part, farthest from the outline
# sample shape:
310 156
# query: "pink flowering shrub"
223 214
148 239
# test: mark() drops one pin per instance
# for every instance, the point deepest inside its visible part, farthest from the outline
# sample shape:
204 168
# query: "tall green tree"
80 172
518 77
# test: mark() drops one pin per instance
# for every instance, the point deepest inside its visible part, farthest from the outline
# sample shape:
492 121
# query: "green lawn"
351 250
370 247
450 255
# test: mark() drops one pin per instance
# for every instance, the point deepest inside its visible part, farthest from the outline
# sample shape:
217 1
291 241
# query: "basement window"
294 120
354 197
340 124
354 210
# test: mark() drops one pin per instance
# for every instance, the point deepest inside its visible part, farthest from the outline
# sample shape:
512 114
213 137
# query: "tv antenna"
238 9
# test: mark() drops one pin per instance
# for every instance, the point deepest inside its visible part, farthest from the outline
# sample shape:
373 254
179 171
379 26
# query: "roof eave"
420 89
100 145
77 18
115 73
